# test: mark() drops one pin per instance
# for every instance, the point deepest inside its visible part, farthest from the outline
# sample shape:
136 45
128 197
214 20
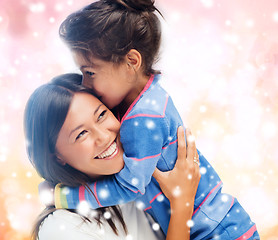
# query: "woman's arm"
180 186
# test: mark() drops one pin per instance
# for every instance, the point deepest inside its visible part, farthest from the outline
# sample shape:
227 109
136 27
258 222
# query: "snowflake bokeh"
220 59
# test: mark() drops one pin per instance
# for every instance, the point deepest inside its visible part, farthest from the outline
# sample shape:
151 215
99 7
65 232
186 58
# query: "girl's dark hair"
109 29
44 116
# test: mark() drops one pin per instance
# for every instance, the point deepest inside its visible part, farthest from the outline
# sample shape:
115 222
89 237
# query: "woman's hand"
180 185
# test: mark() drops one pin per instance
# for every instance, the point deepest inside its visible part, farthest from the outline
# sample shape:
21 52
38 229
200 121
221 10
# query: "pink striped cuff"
249 233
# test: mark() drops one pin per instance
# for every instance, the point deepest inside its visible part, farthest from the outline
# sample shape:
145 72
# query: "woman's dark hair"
44 116
109 29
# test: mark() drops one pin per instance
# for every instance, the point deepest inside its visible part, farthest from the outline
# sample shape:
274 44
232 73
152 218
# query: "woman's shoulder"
63 224
136 220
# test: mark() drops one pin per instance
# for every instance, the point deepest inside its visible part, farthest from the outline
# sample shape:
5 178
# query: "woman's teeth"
109 151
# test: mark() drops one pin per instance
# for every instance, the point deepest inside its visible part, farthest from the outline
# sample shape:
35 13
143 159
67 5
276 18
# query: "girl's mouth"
110 152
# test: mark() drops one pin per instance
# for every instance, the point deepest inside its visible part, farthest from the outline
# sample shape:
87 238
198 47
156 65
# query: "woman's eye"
102 114
80 134
88 73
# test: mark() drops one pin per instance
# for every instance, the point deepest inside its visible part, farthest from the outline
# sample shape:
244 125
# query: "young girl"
54 118
115 44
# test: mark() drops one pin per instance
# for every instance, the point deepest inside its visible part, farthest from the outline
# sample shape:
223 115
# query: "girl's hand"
181 183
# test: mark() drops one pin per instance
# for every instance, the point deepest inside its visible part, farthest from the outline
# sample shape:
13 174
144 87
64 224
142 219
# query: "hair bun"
137 5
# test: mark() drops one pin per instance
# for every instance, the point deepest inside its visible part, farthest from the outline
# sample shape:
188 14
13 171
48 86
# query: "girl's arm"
141 154
180 185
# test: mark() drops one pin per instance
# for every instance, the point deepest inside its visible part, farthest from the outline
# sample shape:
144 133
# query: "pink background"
220 59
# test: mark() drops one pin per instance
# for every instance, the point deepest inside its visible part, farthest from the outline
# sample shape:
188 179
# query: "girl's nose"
87 83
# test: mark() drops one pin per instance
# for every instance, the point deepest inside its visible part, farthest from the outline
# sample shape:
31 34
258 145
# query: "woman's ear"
134 59
60 161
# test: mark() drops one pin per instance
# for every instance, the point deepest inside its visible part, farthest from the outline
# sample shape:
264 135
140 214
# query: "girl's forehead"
85 60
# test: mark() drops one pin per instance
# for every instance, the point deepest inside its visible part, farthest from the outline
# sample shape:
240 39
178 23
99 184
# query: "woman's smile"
110 152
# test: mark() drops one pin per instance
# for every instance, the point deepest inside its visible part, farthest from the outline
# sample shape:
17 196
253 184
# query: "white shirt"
63 224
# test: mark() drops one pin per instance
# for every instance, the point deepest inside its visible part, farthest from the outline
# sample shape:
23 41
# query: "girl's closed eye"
89 73
103 113
81 134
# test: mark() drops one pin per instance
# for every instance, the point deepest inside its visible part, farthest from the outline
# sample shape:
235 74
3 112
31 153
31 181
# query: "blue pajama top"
149 138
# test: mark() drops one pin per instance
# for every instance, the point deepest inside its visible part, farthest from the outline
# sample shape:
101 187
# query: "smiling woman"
89 140
47 120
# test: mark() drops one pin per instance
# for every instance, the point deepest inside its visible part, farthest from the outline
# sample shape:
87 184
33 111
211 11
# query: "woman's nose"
102 137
